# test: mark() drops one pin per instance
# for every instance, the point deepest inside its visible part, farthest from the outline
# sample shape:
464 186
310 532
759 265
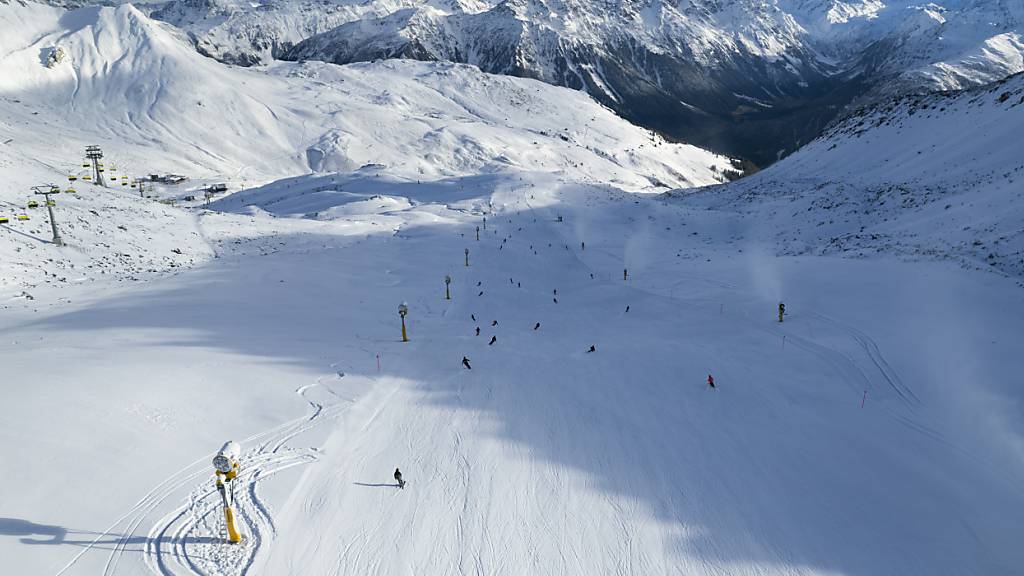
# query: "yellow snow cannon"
226 466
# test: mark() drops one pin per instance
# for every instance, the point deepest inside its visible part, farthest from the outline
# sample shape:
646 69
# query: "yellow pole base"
229 516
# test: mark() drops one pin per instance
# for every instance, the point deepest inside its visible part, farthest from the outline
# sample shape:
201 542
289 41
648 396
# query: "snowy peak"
442 119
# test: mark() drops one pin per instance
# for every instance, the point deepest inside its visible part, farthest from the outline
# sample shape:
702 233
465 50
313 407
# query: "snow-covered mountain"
136 87
936 176
747 77
608 389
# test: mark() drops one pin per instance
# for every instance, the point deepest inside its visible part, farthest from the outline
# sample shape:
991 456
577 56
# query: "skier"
477 330
711 381
493 340
465 362
583 245
556 291
398 478
592 349
556 300
536 326
494 323
625 274
473 317
782 311
627 307
481 293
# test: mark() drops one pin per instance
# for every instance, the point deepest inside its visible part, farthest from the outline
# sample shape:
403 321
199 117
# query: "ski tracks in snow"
190 539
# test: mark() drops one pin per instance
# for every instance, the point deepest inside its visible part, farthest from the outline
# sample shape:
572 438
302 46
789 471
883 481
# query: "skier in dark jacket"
493 340
398 478
711 381
465 362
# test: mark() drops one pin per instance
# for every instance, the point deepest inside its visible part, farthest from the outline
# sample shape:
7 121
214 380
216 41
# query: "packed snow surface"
877 430
543 458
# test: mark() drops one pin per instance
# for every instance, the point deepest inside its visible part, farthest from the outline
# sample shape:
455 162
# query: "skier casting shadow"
398 478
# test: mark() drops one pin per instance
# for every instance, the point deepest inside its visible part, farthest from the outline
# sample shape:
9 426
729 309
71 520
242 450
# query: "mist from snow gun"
637 251
764 273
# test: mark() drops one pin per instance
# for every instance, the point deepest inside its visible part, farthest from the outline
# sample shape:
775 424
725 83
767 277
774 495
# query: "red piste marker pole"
864 398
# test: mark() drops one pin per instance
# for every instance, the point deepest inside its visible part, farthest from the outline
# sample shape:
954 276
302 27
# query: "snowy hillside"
936 177
134 86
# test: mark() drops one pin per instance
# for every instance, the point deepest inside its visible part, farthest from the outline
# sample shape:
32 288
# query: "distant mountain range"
750 78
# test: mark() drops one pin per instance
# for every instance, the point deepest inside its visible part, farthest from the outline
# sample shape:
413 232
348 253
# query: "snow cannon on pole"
403 309
447 283
467 256
225 463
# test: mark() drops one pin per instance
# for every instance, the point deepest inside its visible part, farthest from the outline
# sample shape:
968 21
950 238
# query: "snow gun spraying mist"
226 465
637 251
765 276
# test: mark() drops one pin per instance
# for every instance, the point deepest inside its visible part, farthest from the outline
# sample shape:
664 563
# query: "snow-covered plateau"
555 415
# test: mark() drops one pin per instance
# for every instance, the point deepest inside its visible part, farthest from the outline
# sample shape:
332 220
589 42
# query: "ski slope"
543 458
876 431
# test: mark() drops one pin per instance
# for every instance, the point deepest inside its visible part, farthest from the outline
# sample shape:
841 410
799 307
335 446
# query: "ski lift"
72 178
124 183
101 169
51 202
22 217
71 191
4 220
33 204
85 165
